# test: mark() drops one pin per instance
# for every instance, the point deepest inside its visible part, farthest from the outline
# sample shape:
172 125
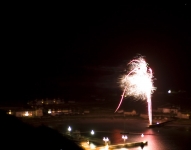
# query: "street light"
26 113
92 132
69 129
142 135
105 140
49 111
124 137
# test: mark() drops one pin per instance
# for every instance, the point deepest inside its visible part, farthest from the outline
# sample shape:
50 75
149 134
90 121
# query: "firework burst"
138 82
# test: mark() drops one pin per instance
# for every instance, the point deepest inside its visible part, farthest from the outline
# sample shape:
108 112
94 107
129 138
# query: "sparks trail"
138 83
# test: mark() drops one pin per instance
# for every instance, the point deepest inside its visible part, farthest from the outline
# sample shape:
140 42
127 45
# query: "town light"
92 132
26 113
9 112
49 111
124 137
69 128
105 140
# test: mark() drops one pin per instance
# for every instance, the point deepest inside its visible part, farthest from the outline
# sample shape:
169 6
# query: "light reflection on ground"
167 137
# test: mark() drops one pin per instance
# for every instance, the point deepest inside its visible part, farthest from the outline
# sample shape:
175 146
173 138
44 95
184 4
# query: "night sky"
79 52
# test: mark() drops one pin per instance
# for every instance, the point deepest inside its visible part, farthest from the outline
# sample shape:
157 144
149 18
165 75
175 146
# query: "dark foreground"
18 135
34 134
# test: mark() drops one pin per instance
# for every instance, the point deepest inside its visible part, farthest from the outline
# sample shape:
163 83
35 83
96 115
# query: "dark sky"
76 50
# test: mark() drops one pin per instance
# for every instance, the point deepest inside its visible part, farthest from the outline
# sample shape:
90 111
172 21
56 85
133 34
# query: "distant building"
145 116
86 111
38 113
27 113
120 111
168 110
24 114
66 111
182 115
132 113
59 112
45 102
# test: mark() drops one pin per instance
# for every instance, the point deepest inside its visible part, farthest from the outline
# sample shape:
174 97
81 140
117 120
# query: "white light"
9 112
92 132
92 146
26 113
124 137
169 91
69 129
106 147
142 135
105 140
49 111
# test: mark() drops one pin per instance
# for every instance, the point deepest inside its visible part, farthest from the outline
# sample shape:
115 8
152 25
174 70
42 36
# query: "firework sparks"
138 83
